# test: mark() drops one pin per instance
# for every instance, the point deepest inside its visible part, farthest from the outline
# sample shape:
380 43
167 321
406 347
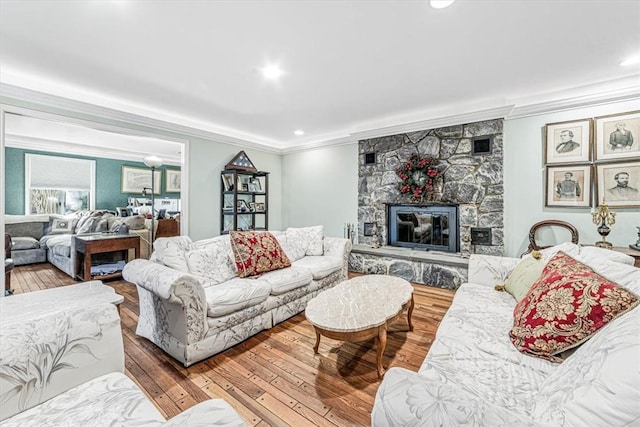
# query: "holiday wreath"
417 177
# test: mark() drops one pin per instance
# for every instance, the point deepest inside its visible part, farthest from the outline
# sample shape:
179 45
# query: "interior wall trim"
54 146
47 100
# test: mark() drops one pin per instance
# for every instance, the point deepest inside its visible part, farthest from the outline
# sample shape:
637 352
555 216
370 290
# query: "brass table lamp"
603 218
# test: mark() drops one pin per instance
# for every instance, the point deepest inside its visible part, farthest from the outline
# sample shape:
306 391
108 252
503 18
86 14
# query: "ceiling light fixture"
271 72
299 132
632 60
440 4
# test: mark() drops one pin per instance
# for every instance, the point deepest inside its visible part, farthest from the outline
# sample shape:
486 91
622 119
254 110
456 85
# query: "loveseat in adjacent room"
41 238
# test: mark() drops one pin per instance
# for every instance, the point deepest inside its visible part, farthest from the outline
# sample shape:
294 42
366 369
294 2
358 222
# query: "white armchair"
66 368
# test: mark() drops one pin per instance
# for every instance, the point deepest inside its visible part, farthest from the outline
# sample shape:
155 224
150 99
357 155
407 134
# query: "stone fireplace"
471 166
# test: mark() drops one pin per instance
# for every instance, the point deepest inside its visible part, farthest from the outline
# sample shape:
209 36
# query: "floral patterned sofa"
193 304
66 368
473 375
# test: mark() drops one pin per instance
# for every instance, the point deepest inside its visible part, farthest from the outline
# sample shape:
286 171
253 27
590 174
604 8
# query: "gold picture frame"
134 180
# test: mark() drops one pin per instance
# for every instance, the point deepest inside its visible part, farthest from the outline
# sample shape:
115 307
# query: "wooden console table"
90 244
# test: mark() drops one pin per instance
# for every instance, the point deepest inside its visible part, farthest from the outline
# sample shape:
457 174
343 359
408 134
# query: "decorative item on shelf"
153 162
241 162
418 177
636 245
604 217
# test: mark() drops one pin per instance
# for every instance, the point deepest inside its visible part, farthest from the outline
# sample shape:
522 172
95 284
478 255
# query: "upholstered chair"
8 264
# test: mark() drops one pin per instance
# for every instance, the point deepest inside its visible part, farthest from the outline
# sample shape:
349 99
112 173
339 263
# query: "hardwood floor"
273 378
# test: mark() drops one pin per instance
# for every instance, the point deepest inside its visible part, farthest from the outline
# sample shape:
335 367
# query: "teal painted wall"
108 173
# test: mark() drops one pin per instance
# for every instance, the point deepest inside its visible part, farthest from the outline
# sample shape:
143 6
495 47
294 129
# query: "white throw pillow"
170 252
305 241
568 248
211 262
589 252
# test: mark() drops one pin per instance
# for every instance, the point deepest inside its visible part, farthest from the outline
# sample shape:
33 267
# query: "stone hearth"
473 181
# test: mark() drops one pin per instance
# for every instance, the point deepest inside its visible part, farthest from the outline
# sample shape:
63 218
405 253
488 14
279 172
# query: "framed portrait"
568 186
227 181
618 184
568 142
255 186
172 184
134 180
617 136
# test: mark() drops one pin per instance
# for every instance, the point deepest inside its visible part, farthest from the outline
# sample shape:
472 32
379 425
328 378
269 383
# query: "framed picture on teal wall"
134 180
173 181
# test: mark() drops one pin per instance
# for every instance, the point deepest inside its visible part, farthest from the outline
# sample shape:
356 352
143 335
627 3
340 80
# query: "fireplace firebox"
423 227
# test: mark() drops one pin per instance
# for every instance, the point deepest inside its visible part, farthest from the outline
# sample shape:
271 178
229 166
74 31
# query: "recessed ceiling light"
440 4
298 132
271 72
632 60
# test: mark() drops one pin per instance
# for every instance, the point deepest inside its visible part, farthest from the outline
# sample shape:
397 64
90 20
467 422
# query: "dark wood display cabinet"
244 200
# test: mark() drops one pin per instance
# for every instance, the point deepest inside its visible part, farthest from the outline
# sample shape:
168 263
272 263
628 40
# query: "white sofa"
66 368
474 376
193 306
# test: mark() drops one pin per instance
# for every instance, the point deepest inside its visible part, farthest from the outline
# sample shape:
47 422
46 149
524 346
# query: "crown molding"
63 147
625 89
72 106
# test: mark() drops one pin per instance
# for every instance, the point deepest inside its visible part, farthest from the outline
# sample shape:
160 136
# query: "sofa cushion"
257 252
61 225
565 307
286 279
319 266
520 280
23 243
211 262
304 241
112 399
170 251
234 295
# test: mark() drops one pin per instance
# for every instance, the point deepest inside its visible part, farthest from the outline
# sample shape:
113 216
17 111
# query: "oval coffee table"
359 309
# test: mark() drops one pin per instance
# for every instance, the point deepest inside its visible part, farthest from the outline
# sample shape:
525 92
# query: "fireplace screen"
432 227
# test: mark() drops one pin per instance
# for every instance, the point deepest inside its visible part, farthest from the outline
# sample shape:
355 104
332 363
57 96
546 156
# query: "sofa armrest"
490 270
406 398
338 247
177 295
49 353
214 412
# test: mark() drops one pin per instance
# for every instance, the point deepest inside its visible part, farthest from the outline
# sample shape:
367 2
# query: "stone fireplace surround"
474 182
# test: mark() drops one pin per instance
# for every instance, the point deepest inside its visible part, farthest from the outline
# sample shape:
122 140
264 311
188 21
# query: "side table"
90 244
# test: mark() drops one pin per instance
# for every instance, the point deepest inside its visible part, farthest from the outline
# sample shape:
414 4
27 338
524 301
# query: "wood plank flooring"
273 378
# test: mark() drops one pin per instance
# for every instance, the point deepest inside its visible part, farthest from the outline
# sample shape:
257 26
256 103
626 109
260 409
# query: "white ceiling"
350 66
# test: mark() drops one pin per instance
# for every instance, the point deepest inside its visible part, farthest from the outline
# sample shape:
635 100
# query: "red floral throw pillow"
565 307
257 252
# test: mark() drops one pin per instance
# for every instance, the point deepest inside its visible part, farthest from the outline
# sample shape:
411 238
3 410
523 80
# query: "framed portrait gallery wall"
592 161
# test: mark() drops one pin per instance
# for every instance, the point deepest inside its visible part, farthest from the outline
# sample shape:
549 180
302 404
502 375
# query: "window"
58 185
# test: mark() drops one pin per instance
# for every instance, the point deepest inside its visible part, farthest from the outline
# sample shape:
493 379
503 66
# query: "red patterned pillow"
257 252
565 307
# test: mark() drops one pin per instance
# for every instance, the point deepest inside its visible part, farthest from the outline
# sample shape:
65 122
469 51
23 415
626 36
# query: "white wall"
206 160
524 184
320 187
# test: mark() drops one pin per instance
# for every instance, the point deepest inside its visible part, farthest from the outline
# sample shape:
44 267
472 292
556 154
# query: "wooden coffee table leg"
381 343
409 314
315 347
